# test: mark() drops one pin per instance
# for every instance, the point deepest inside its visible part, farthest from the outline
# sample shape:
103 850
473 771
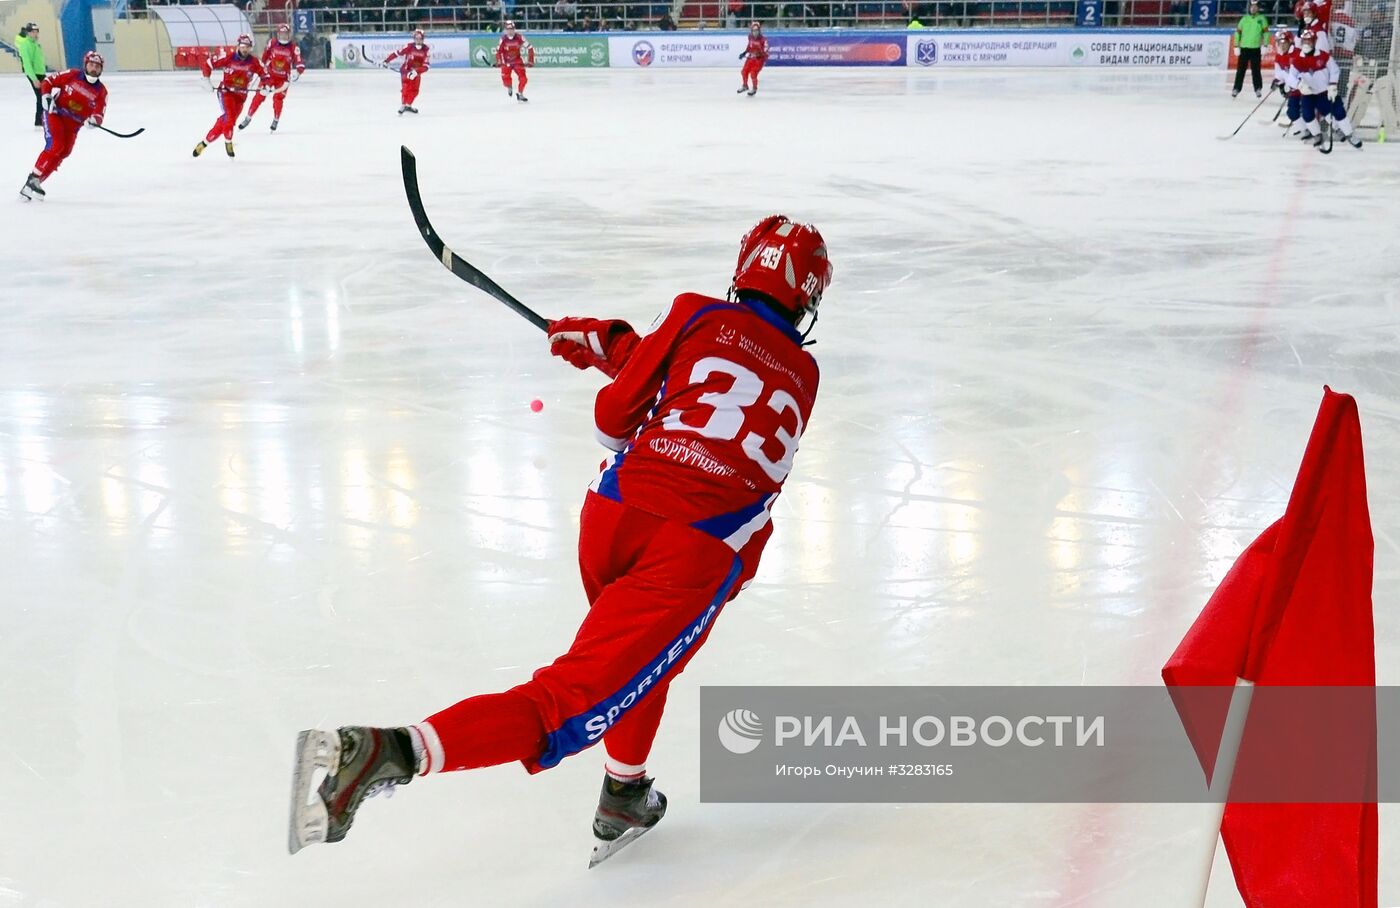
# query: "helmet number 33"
727 412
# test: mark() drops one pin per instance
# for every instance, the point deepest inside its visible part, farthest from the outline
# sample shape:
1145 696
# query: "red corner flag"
1295 609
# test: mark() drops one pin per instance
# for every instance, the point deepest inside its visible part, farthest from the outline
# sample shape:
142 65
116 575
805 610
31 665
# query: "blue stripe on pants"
584 730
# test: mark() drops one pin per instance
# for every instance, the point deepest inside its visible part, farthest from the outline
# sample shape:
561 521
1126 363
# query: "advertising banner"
1183 49
972 49
550 50
677 49
1068 48
818 49
351 51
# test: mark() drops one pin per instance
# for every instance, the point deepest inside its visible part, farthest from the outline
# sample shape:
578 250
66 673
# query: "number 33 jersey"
705 416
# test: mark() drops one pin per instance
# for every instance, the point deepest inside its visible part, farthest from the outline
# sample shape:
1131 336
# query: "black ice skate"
626 812
32 188
1354 140
520 97
753 91
402 108
742 89
199 149
411 109
360 763
274 124
510 93
243 123
228 149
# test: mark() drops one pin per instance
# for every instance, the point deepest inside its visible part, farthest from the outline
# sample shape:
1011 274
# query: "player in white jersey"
1315 74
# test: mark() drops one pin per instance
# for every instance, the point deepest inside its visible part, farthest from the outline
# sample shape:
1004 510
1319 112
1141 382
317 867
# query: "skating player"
239 69
1284 80
702 419
76 97
754 56
415 63
1316 74
282 60
1317 18
513 54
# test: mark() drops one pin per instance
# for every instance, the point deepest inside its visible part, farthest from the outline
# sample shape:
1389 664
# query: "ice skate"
520 97
32 189
1258 93
1235 93
228 149
402 108
274 124
360 763
1353 140
510 92
243 123
742 89
199 149
753 91
412 109
626 812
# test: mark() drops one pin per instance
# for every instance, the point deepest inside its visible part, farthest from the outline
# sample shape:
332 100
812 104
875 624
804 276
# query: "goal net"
1363 41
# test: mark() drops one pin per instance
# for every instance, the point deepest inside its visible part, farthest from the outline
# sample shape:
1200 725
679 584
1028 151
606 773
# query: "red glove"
603 344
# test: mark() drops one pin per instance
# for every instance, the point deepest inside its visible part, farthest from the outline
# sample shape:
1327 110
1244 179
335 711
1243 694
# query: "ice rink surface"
265 465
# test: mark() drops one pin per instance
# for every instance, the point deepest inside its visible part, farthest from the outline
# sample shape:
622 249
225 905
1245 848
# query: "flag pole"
1230 738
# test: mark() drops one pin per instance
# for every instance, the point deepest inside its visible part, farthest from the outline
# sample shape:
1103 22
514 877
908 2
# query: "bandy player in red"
754 56
415 63
513 54
282 60
239 69
78 97
702 419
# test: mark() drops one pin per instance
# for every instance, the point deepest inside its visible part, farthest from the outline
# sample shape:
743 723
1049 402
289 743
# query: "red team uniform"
702 419
513 54
1285 49
239 68
415 63
1314 74
282 60
78 97
754 56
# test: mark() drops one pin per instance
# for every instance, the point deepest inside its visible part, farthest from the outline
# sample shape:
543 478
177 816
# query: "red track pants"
60 132
655 588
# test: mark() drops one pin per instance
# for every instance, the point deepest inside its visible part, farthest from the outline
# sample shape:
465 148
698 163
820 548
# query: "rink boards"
926 48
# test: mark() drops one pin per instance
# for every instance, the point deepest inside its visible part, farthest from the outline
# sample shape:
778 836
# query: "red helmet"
785 262
1284 37
418 36
246 39
284 29
1308 36
93 56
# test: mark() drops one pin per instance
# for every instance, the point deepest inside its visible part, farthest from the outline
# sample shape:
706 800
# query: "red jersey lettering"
76 97
415 58
514 50
238 71
705 417
280 59
758 48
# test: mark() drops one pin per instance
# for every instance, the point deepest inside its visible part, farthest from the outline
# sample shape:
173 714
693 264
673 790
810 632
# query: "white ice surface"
264 465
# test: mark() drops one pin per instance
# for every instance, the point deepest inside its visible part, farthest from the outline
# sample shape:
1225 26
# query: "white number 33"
727 415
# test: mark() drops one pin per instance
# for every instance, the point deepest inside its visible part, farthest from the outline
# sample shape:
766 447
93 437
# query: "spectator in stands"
738 9
666 23
1249 37
493 14
31 58
566 11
